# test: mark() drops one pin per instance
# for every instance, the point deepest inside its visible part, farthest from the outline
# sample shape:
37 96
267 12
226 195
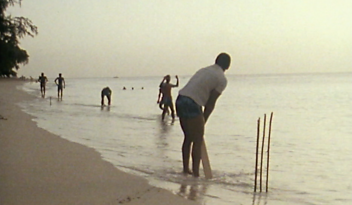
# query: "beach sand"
38 167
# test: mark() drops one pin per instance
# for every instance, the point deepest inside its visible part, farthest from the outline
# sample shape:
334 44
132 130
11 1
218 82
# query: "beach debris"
137 195
262 154
2 118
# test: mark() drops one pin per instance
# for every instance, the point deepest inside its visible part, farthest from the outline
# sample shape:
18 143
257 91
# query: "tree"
11 30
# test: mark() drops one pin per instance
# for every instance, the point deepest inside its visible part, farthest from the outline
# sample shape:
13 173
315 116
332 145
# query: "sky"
107 38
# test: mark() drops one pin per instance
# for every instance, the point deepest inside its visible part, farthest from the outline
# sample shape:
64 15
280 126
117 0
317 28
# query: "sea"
307 117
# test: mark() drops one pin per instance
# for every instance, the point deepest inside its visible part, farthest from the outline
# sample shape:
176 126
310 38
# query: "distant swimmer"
166 100
202 90
106 92
60 82
42 79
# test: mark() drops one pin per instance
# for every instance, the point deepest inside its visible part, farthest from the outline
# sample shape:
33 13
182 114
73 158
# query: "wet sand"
38 167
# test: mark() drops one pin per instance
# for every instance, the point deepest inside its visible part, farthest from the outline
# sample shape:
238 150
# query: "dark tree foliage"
11 30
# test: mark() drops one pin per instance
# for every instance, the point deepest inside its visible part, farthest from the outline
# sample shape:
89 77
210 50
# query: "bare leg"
194 130
109 99
172 111
186 146
196 127
61 93
166 107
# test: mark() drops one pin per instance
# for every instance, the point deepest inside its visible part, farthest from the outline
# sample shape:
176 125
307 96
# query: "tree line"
11 30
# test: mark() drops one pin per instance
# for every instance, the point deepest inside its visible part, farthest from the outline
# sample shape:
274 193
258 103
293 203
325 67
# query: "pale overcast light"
106 38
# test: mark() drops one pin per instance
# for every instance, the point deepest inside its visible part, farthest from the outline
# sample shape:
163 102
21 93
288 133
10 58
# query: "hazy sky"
87 38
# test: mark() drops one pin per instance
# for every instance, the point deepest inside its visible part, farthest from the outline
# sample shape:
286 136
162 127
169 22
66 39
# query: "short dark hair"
223 60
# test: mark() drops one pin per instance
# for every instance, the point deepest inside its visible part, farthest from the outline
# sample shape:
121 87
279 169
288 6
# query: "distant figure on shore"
106 92
202 90
60 82
124 88
166 100
42 79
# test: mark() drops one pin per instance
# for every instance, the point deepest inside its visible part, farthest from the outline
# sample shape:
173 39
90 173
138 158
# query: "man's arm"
177 82
159 95
63 80
210 105
161 84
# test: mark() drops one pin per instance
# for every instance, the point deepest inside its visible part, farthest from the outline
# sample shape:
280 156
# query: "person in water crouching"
106 92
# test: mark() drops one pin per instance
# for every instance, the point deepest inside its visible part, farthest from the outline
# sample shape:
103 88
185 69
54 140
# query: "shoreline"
38 167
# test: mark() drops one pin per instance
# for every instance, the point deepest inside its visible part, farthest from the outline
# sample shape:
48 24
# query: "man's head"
223 60
60 74
42 74
167 78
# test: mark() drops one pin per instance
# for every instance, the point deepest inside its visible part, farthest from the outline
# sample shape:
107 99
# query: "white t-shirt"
203 82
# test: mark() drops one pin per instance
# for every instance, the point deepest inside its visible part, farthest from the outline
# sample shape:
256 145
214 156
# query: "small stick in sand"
268 154
256 156
262 154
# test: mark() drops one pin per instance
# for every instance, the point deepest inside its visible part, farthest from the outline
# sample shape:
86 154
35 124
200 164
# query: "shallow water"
310 156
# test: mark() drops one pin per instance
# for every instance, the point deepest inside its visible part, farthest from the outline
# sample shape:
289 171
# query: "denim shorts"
187 108
167 101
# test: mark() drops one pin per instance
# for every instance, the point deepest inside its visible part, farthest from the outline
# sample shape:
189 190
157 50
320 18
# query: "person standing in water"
202 90
160 97
42 79
106 92
60 82
166 101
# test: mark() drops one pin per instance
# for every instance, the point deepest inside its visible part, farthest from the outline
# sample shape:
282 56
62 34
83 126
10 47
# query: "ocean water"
311 135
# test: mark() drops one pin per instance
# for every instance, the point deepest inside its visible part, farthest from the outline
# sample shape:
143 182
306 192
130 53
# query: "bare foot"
187 172
196 175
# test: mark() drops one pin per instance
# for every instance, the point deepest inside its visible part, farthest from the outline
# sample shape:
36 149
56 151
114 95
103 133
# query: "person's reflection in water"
196 191
163 134
260 198
164 128
103 106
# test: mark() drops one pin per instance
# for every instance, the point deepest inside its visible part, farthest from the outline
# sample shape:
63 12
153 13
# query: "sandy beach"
38 167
